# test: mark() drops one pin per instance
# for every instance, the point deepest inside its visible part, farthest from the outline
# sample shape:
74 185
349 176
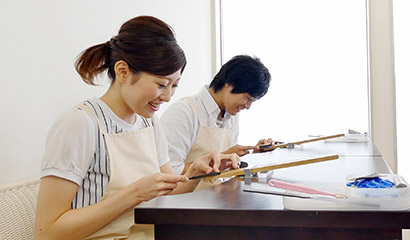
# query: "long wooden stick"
273 147
241 171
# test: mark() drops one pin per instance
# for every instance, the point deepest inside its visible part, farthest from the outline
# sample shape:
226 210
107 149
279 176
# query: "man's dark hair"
245 74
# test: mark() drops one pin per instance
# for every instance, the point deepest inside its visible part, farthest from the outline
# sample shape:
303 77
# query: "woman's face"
147 92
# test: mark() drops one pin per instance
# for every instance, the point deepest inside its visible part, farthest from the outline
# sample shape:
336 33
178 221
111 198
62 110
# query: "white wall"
39 42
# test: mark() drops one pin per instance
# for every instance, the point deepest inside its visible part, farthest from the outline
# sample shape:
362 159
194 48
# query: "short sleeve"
69 146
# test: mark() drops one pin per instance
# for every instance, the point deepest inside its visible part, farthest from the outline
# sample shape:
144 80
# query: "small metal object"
248 176
290 146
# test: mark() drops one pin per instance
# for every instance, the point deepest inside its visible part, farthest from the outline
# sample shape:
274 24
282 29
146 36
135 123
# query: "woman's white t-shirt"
75 149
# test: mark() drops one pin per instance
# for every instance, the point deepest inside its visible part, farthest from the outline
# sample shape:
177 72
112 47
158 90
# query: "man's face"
235 102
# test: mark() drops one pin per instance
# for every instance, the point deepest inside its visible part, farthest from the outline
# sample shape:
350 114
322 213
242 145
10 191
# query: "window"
402 51
316 52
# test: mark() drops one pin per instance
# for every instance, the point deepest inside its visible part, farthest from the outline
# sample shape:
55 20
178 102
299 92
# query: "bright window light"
402 52
316 52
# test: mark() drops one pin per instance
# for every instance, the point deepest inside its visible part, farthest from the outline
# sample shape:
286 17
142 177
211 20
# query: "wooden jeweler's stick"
241 171
266 148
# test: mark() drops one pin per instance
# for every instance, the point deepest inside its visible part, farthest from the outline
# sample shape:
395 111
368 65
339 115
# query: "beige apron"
208 139
132 155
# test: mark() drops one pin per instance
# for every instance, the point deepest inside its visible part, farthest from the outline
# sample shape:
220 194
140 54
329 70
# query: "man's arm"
180 124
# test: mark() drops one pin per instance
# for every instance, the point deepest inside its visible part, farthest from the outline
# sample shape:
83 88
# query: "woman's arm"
56 220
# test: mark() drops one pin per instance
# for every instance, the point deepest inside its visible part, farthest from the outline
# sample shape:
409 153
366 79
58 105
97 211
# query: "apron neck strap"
93 115
198 114
195 108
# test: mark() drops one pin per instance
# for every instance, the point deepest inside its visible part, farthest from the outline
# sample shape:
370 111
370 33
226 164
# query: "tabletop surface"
228 202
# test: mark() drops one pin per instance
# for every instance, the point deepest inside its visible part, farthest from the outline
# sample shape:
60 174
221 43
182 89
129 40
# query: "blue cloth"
374 182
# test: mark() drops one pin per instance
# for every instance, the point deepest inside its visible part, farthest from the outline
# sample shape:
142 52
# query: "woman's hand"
241 150
152 186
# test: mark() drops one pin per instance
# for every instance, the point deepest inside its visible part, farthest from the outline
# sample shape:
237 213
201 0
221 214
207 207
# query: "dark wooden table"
227 212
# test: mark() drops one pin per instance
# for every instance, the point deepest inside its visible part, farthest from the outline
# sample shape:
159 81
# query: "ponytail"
92 62
145 43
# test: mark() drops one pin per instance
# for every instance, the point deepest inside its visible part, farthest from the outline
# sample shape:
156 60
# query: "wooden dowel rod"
270 148
236 172
318 139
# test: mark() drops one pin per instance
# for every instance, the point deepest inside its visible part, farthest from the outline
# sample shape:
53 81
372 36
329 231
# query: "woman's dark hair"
145 43
245 74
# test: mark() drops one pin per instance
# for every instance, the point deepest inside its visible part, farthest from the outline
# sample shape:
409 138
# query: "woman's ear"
122 71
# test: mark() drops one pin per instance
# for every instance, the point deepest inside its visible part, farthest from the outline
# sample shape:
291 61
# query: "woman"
107 155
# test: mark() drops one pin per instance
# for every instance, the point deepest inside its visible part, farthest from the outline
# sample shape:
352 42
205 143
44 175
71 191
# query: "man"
208 121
